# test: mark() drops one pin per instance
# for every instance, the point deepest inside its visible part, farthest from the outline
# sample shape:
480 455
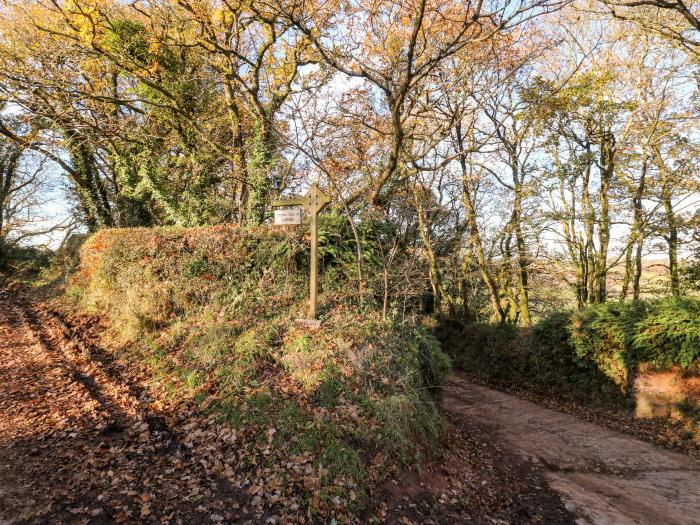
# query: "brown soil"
477 481
671 433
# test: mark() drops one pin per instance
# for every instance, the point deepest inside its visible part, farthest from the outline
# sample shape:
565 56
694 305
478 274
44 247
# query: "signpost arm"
290 202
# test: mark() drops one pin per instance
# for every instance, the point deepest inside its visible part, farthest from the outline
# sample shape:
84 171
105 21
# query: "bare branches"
673 20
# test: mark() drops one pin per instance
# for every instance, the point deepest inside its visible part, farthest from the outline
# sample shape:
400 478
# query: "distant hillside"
549 289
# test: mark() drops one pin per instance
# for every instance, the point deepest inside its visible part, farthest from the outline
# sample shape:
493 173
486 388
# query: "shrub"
620 336
669 334
494 351
212 311
22 261
592 353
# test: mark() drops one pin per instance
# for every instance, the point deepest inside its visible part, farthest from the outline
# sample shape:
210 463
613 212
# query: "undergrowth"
590 355
212 311
663 332
22 262
595 351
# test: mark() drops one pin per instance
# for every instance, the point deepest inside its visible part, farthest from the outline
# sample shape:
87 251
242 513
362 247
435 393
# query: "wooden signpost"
314 201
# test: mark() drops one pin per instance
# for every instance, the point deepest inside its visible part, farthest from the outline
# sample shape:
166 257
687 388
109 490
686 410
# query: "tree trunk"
8 171
606 174
238 156
573 243
91 192
259 166
671 223
638 269
475 241
639 219
633 267
589 294
441 297
672 241
508 289
523 277
466 313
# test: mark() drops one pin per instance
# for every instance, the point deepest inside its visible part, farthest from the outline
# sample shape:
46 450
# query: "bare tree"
24 196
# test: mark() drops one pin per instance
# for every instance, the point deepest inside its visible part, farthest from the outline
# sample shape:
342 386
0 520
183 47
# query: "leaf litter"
87 438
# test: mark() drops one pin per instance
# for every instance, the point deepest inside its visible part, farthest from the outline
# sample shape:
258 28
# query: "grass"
212 311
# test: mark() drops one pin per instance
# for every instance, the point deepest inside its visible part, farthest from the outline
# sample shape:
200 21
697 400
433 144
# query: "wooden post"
314 201
313 274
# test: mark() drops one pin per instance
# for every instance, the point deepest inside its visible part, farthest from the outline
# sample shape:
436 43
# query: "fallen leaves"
87 437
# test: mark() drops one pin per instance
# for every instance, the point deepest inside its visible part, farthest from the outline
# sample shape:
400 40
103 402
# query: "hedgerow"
212 311
593 353
620 336
22 261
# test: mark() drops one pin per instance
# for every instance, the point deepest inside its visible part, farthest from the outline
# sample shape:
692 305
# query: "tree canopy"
505 158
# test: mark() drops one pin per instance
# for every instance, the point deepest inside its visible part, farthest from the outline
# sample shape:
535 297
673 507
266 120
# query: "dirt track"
604 477
83 440
88 438
80 444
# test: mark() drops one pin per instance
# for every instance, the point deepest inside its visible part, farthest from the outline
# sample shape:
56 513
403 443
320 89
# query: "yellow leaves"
155 47
269 33
85 17
224 16
283 72
393 45
220 15
203 10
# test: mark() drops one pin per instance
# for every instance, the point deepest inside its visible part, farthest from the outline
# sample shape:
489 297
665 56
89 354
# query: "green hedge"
617 337
22 261
594 352
212 311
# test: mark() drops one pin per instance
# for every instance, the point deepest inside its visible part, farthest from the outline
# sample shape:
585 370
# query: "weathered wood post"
314 201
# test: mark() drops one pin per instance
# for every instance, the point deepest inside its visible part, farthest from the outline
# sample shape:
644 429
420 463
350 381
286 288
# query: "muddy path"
82 442
604 477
